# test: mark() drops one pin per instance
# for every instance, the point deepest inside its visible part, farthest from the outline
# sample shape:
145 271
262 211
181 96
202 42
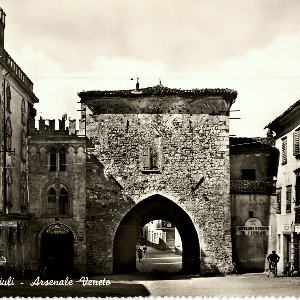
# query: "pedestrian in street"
273 259
145 251
140 253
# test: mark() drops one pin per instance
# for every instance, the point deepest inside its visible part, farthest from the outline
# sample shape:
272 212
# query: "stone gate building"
159 153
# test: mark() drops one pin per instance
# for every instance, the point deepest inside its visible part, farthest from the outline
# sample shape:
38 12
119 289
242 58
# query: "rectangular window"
150 160
288 198
278 201
248 174
284 151
279 243
296 137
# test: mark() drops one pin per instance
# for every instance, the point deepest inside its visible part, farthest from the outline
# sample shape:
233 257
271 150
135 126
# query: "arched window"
58 200
63 202
9 181
62 159
52 160
23 189
23 112
23 145
8 134
8 97
52 202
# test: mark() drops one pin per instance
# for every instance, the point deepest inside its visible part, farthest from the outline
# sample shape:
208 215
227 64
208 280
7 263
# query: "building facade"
16 113
161 235
164 154
286 128
253 171
82 197
57 185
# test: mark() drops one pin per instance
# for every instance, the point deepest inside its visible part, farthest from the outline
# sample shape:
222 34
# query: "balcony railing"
252 187
17 70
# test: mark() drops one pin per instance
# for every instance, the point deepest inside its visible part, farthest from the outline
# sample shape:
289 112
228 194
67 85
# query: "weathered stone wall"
193 172
251 251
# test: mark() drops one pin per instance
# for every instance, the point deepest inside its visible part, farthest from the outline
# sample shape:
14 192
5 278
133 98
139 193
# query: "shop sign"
297 228
253 227
8 224
57 229
287 227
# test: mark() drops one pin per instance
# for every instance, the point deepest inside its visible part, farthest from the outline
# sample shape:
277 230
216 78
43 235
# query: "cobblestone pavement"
159 261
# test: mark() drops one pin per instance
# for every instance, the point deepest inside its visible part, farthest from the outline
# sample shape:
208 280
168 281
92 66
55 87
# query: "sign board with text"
253 227
57 229
8 224
297 228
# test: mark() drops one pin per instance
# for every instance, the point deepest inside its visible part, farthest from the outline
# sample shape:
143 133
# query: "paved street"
163 285
157 278
159 261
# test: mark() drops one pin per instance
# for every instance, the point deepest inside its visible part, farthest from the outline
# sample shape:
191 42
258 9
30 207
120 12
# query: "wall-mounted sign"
297 228
253 227
8 224
287 227
57 229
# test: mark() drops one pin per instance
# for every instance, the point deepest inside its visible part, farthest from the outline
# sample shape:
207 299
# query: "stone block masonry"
174 146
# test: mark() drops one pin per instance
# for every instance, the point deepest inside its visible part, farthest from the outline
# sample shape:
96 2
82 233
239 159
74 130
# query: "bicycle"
272 269
145 251
289 269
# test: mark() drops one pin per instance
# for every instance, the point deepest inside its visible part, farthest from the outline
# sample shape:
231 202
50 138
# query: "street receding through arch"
155 207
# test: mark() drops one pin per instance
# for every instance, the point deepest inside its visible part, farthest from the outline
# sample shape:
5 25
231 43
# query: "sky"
251 46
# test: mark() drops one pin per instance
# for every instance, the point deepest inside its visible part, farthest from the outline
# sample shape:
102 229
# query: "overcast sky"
252 46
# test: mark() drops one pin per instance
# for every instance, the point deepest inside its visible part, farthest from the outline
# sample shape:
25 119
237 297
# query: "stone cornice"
160 90
160 100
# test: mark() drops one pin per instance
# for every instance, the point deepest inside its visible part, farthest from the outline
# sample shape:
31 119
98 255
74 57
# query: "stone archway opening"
152 208
57 251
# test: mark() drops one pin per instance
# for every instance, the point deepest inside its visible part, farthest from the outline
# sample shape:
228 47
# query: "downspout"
4 148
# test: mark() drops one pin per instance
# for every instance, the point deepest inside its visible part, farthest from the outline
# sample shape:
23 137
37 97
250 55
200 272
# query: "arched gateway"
57 249
155 207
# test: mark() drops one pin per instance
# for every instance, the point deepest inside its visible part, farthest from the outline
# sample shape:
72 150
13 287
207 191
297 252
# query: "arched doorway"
155 207
57 250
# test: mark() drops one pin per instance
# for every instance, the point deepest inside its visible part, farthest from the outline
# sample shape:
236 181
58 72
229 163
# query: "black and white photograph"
149 148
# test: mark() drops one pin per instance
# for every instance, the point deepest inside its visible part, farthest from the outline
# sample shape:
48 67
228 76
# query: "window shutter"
279 201
146 159
296 142
284 151
154 160
288 199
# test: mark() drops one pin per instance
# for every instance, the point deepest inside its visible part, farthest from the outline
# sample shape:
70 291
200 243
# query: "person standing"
273 259
140 253
145 251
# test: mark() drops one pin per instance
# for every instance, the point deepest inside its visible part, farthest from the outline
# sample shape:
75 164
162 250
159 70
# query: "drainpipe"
294 248
4 149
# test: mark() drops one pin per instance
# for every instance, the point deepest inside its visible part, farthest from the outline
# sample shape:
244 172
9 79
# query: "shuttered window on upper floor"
278 192
296 137
284 151
288 199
